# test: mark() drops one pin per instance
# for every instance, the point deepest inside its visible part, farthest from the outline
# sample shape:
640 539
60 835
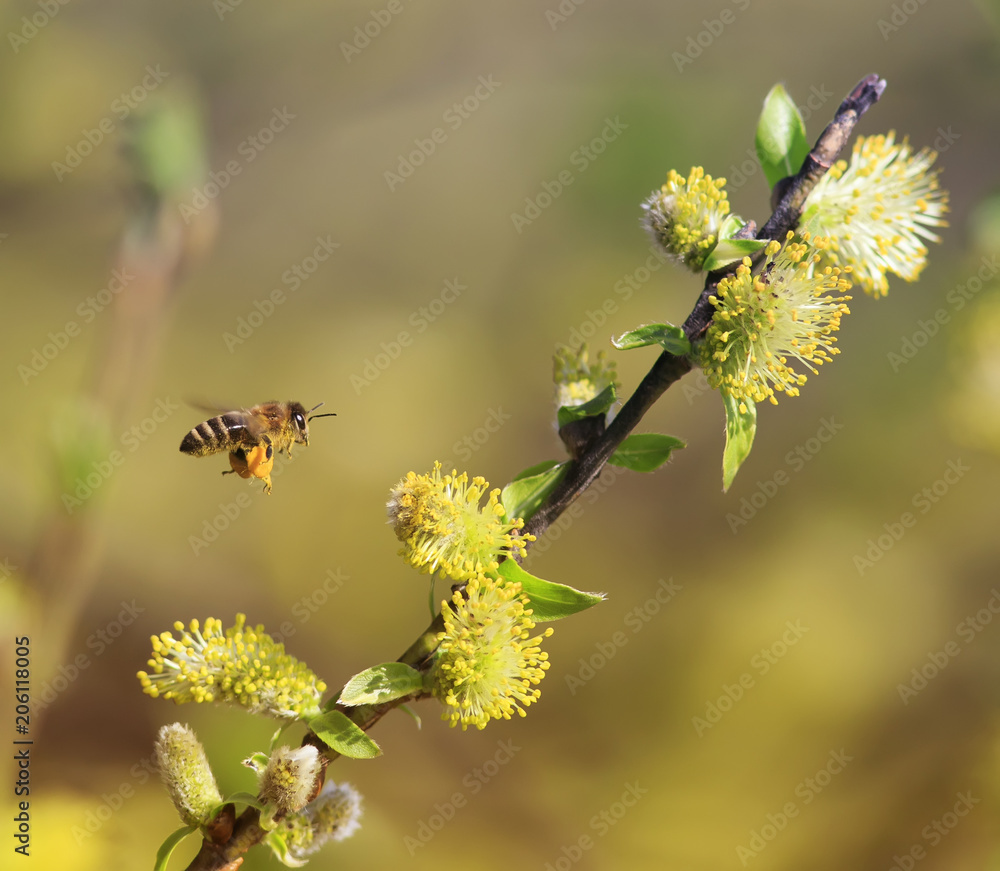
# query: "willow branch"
592 456
668 368
818 162
246 830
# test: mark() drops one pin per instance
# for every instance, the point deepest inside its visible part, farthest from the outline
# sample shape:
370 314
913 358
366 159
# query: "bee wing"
214 408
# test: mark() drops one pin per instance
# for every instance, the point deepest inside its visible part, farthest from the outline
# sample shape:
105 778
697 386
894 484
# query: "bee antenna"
311 410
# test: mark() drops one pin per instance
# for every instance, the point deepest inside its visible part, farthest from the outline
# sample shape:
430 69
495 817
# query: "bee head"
300 420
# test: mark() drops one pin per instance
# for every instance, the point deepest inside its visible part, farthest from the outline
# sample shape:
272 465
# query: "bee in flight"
252 436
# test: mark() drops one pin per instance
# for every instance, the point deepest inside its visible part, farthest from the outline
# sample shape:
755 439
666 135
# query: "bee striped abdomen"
225 432
253 437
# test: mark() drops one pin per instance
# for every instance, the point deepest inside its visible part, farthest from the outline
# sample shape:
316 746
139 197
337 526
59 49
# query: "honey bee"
253 436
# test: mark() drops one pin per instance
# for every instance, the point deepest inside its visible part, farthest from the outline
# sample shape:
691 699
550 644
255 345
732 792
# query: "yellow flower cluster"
335 814
765 323
685 215
487 662
577 379
877 210
239 666
442 526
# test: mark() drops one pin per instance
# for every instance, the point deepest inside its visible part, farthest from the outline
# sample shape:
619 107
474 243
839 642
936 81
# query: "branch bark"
668 368
591 458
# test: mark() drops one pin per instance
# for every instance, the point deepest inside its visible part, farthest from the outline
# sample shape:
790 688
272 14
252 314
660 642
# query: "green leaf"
644 452
548 601
730 227
279 846
247 798
166 144
257 761
167 847
406 709
268 820
338 731
671 338
381 683
740 430
279 732
732 250
597 406
781 137
523 496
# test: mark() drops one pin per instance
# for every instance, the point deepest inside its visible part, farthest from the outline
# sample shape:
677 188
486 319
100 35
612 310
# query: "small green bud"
289 780
684 216
187 774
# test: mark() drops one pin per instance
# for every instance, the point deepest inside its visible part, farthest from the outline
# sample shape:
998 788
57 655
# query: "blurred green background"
90 587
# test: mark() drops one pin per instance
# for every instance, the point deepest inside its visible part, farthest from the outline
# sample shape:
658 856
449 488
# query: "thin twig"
668 368
247 831
581 472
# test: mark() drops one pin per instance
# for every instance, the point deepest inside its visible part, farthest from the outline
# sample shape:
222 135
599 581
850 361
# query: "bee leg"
261 461
238 461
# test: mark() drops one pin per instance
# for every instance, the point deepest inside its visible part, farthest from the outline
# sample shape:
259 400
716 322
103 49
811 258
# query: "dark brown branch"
246 831
668 368
594 454
582 472
829 145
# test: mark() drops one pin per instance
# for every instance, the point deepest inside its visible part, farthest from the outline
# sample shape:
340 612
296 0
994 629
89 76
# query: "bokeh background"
89 586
